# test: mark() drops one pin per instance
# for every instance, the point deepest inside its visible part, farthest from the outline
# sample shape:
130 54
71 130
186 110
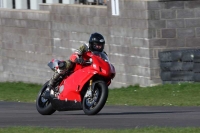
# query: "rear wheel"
43 105
93 104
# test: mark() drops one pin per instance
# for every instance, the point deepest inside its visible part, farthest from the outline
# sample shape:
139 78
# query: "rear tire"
43 105
92 106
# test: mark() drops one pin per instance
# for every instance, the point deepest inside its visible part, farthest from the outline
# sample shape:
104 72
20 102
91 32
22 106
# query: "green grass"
18 91
63 130
187 94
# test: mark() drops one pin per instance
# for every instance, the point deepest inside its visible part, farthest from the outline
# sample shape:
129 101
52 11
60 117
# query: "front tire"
43 105
92 105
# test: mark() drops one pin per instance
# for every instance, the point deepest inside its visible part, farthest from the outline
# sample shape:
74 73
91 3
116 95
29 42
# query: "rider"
96 43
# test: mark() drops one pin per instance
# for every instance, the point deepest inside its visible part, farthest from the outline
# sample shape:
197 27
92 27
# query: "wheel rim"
91 102
42 102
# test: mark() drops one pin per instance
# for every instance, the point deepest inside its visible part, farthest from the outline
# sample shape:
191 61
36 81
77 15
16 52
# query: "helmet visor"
97 46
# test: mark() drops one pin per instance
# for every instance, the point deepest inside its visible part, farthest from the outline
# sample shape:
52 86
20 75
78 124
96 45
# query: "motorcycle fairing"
104 67
74 84
62 105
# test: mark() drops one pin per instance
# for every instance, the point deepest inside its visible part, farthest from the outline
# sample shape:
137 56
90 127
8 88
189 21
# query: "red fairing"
74 84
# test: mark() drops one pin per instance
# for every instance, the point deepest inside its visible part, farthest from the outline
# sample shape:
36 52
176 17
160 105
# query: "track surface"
112 117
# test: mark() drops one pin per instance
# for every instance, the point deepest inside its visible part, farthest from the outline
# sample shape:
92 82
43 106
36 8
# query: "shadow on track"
135 113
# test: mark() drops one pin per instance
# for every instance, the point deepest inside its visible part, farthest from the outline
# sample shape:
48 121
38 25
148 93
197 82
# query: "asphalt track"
110 117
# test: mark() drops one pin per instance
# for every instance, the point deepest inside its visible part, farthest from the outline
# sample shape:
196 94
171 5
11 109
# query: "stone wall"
29 39
145 28
25 42
175 25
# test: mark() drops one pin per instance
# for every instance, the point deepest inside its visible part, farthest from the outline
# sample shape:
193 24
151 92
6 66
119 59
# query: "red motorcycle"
85 88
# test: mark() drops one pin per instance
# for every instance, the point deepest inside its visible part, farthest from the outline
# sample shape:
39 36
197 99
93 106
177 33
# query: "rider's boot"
64 66
51 86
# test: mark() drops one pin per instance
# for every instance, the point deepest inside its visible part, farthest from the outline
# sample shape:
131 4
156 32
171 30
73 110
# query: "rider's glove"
79 60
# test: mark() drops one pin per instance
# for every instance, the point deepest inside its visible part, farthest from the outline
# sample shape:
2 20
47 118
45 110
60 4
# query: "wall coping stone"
19 10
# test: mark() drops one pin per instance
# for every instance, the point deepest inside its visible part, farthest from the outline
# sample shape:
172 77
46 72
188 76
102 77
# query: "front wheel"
93 104
43 105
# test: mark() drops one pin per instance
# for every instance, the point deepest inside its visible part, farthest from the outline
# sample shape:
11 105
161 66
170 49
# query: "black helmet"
96 42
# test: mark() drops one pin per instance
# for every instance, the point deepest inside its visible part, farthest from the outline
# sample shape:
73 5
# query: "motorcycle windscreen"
102 55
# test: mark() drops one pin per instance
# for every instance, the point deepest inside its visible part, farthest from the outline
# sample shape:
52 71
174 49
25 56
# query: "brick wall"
29 39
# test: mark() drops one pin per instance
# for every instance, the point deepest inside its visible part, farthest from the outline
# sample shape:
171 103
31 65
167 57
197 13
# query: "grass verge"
63 130
187 94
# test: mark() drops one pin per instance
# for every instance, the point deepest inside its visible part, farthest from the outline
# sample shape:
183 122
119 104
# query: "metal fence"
33 4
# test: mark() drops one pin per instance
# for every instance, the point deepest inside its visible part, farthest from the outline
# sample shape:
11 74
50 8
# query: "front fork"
89 91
